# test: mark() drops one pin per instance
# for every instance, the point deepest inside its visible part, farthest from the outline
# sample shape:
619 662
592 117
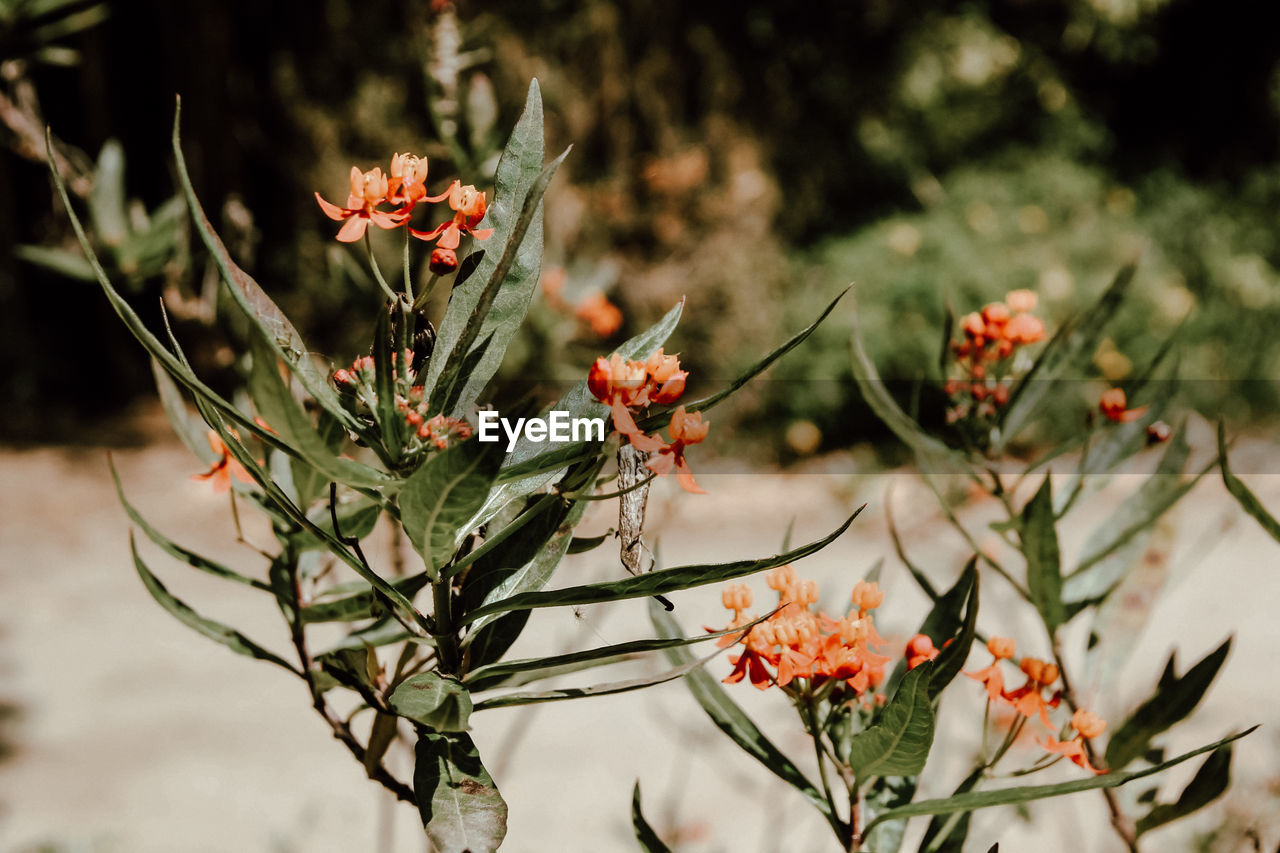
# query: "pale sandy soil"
137 735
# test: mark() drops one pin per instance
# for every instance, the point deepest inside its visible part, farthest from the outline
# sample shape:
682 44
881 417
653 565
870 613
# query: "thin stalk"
960 528
811 723
1123 826
408 278
425 295
541 505
377 273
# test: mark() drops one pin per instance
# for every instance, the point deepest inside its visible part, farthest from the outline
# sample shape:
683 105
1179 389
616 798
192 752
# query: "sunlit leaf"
216 631
439 499
1174 700
1009 796
461 808
898 744
432 700
1040 547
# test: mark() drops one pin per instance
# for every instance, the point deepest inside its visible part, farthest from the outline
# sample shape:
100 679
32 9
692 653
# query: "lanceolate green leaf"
898 745
267 319
276 404
1008 796
1072 346
645 836
439 499
653 583
731 719
191 430
513 673
752 372
946 617
933 454
497 323
459 803
1040 547
951 659
361 605
561 694
1248 500
216 631
946 833
177 551
175 367
432 700
1210 782
1174 700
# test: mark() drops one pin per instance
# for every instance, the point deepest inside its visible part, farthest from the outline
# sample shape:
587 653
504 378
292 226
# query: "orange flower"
1028 699
600 314
669 379
1024 329
685 429
1001 648
368 190
1112 404
226 467
1087 725
469 206
1021 301
407 184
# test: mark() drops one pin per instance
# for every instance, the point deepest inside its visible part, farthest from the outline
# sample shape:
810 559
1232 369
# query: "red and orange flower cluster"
991 338
627 386
795 642
359 380
1030 700
403 188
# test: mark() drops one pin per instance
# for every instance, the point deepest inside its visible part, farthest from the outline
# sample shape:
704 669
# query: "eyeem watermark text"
558 428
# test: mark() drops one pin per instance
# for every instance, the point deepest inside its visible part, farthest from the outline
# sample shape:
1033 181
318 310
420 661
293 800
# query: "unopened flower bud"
443 261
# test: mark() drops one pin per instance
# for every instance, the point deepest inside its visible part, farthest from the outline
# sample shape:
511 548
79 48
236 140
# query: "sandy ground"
136 735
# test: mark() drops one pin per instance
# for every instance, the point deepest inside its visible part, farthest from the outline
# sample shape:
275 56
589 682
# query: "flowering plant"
326 455
871 707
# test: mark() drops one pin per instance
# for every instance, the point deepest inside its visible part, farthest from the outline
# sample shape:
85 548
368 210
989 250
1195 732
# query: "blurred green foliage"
749 158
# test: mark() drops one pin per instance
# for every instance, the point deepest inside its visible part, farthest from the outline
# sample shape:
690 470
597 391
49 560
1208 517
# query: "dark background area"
843 120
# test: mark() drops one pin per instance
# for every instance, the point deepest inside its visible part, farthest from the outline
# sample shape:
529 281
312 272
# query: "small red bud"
443 261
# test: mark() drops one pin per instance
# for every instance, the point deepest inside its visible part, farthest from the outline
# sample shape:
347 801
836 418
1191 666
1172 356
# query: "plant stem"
377 273
408 278
341 730
811 723
1119 820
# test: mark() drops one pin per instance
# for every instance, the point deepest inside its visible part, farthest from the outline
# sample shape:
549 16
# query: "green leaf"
731 719
1040 547
1211 781
106 198
533 697
362 605
583 544
390 423
65 263
381 735
947 836
516 672
192 431
1009 796
898 744
933 454
438 501
645 836
1156 496
266 317
947 665
523 564
1072 346
275 402
752 372
1248 500
356 520
1174 700
461 808
491 304
175 366
654 583
216 631
432 700
177 551
946 617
